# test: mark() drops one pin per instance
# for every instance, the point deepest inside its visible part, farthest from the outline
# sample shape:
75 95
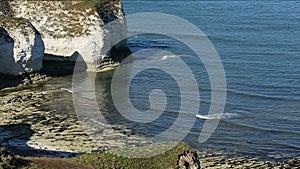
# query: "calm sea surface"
259 46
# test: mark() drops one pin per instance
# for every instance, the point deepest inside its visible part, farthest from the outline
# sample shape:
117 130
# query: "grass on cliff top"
86 3
104 160
12 22
163 160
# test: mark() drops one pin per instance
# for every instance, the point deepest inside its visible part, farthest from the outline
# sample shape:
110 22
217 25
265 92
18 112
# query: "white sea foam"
215 116
102 124
68 90
168 57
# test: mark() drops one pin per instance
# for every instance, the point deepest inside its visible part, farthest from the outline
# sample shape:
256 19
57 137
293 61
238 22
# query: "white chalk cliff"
69 28
21 47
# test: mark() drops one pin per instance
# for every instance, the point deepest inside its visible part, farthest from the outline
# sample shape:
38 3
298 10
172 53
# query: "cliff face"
21 46
69 28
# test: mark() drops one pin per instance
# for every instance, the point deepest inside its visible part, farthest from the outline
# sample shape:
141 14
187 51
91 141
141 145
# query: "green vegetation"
93 2
105 160
8 22
164 160
102 160
82 4
8 161
68 22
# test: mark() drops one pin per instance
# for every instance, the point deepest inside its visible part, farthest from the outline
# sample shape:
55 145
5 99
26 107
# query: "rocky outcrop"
188 159
21 47
8 160
43 122
73 29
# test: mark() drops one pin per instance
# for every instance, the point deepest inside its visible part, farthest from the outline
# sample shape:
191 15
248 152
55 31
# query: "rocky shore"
213 161
39 127
40 114
38 123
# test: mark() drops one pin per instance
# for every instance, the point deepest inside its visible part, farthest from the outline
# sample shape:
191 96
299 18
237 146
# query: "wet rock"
55 129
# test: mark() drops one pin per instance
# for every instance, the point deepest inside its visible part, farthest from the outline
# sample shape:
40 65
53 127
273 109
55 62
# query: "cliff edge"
72 29
21 47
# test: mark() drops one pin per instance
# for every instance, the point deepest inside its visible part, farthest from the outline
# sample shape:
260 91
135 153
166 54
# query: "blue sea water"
259 45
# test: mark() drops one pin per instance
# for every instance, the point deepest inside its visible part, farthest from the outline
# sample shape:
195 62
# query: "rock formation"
21 47
73 29
188 160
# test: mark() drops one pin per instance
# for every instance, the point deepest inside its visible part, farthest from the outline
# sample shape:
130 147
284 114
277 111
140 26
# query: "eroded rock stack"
69 29
21 46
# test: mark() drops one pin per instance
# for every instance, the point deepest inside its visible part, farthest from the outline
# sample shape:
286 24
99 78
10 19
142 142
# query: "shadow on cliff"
53 66
56 66
14 138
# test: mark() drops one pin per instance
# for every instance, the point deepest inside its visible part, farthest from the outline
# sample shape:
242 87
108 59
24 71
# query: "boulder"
21 47
72 29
